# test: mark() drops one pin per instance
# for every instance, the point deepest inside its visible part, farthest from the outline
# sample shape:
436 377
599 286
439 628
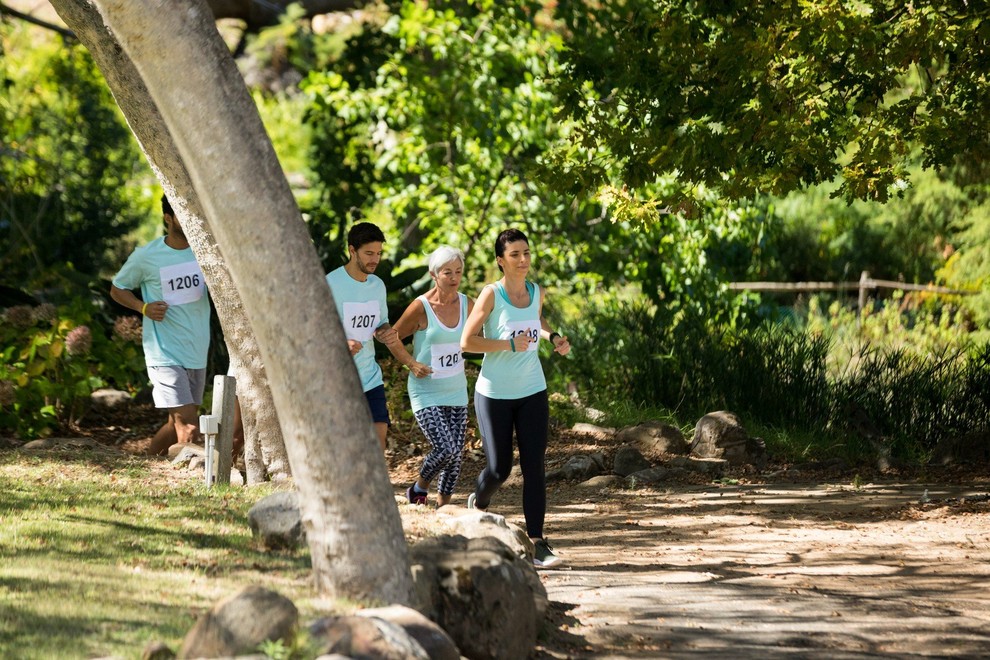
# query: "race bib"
446 360
360 320
182 283
531 328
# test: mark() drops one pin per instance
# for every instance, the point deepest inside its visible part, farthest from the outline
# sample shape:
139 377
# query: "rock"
275 521
577 468
239 624
478 524
181 453
157 651
721 435
647 477
602 482
365 637
489 601
434 639
714 467
591 429
654 439
40 444
109 399
55 443
628 460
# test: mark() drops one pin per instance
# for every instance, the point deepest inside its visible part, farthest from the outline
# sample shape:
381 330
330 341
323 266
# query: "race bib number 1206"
182 283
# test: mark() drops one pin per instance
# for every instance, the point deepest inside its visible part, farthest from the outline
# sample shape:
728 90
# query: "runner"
511 393
439 400
175 329
359 296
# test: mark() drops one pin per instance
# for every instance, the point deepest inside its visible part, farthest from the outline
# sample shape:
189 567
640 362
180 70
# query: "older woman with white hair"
439 398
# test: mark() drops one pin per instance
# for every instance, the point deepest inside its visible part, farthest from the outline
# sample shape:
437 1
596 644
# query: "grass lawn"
102 552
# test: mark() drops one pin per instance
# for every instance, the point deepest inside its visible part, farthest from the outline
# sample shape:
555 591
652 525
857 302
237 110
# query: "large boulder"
434 639
364 637
237 625
488 599
276 522
654 439
721 435
474 524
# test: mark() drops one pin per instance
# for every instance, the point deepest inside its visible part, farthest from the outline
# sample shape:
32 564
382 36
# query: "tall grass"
885 394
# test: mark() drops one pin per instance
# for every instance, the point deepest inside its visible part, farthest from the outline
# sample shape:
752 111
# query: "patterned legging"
444 427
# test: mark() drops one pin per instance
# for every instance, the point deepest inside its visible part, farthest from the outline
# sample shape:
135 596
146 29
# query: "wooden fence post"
224 400
864 280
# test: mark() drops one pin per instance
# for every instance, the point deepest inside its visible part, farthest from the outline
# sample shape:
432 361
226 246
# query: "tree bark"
348 510
264 447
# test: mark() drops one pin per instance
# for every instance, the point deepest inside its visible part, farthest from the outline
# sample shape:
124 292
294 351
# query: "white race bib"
531 328
182 283
360 320
446 360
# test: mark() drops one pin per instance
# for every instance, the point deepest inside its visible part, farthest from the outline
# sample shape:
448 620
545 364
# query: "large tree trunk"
352 524
265 450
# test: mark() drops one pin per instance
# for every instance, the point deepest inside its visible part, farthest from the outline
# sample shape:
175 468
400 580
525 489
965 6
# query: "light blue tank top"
504 374
439 347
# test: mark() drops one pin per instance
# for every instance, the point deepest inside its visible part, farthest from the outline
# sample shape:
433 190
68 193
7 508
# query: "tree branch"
28 18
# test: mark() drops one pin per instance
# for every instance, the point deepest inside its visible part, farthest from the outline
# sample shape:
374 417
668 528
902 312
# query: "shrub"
51 360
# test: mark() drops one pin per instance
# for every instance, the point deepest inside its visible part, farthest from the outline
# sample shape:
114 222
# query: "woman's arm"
471 339
412 320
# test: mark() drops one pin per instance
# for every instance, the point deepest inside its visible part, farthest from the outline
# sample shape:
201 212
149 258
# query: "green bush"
52 358
901 380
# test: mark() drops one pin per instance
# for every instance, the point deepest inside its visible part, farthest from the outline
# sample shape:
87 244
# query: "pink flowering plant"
51 360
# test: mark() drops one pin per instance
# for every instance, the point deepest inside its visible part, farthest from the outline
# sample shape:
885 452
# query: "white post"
208 425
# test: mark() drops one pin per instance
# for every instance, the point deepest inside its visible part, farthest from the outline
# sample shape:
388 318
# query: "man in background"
359 296
176 327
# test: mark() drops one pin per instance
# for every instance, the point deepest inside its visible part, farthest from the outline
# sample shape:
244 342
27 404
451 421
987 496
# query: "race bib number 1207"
361 320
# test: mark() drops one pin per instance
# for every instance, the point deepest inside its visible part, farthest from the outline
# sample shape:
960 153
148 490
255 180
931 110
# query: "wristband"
552 335
512 344
144 307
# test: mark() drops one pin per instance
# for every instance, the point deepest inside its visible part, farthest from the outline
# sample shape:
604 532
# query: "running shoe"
543 556
415 497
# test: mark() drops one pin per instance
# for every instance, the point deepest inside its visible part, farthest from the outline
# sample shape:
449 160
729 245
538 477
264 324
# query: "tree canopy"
760 96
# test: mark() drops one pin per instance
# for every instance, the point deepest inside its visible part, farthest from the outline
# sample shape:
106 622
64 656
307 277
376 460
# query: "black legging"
529 418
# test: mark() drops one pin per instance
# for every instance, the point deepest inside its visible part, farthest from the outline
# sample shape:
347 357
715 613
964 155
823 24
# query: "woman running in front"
511 392
438 393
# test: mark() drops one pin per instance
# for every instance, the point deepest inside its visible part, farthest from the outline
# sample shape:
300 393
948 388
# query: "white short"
174 387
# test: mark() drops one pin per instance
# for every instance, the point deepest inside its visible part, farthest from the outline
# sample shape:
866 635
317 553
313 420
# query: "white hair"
442 256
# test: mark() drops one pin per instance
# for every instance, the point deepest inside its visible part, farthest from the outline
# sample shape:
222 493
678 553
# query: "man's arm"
388 336
153 310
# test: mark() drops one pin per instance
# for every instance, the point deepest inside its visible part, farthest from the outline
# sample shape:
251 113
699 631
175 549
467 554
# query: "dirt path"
817 569
761 571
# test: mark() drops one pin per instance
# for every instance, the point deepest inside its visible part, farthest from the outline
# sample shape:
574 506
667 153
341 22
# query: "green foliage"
969 266
907 381
68 162
767 97
51 360
431 125
814 237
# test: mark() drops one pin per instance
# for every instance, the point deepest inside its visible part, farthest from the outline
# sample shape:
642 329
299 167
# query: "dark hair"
363 233
506 237
166 207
